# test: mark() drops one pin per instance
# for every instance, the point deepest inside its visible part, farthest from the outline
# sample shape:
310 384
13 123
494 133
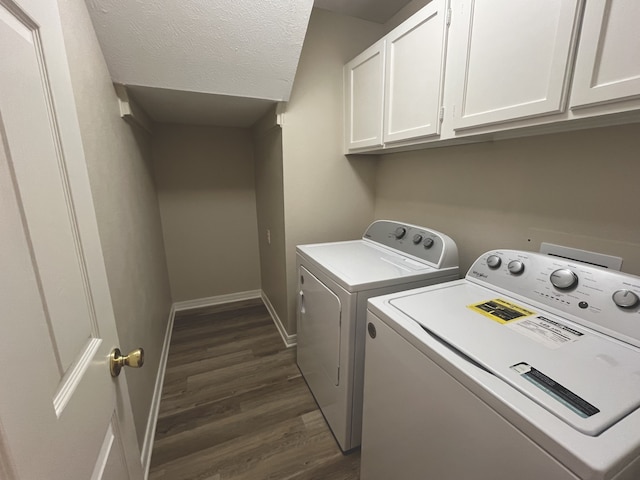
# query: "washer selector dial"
516 267
400 232
494 261
417 238
563 279
428 242
625 298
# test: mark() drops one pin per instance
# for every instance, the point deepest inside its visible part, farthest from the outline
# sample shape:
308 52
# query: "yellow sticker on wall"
500 310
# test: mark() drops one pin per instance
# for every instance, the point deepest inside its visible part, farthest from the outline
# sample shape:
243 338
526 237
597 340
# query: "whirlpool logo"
478 274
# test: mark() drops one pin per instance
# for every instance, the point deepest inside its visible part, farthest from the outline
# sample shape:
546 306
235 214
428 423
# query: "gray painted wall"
267 142
578 189
124 194
206 190
327 196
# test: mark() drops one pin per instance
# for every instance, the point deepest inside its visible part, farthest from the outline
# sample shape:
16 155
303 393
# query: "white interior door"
62 416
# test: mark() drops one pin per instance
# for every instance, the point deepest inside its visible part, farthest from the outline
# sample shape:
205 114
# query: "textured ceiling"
228 47
379 11
215 62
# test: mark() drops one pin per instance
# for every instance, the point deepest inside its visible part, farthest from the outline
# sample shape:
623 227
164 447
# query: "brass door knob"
135 359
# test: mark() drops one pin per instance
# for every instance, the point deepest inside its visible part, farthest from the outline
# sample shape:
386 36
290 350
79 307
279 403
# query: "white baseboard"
217 300
147 447
289 340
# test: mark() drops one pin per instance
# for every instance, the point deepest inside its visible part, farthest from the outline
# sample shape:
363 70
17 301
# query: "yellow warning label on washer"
500 310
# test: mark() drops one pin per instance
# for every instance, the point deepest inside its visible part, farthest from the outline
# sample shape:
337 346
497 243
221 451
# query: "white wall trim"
150 433
130 111
289 340
217 300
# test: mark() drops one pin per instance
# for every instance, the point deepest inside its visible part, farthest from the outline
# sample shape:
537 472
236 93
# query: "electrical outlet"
268 236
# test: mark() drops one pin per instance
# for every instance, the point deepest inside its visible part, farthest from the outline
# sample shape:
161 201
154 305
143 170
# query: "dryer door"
319 312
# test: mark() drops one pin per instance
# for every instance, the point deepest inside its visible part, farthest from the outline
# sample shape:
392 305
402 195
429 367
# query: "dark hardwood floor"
234 405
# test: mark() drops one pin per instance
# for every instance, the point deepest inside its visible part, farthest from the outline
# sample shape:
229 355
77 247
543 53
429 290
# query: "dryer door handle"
301 299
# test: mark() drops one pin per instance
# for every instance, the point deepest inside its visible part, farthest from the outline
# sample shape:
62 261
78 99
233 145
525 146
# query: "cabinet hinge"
441 113
448 16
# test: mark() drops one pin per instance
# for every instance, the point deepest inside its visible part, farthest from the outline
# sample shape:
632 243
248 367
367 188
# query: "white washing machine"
528 369
335 281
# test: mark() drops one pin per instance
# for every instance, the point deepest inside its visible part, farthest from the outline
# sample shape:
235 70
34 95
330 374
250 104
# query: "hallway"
234 405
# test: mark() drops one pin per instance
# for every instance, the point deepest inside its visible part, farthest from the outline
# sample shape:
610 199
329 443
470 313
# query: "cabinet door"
511 59
364 80
608 59
415 54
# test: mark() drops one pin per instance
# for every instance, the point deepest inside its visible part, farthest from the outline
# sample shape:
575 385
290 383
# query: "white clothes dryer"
335 281
528 368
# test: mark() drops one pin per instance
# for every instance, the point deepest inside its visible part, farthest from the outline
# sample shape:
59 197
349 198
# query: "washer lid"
359 263
588 380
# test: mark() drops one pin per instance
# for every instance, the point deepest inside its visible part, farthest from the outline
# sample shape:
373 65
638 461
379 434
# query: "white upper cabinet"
467 70
608 61
414 75
364 98
510 59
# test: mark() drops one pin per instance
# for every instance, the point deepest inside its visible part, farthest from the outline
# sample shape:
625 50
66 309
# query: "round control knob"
625 298
428 242
564 279
516 267
494 261
400 232
417 238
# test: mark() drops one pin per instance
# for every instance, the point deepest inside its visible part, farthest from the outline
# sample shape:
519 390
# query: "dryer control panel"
605 300
428 245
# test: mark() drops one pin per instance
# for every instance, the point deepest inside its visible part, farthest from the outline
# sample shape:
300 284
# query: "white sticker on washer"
548 332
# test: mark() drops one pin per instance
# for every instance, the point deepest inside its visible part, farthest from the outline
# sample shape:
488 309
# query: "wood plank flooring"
235 407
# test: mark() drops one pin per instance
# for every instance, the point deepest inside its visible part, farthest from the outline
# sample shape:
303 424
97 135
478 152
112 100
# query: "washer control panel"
602 299
436 248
